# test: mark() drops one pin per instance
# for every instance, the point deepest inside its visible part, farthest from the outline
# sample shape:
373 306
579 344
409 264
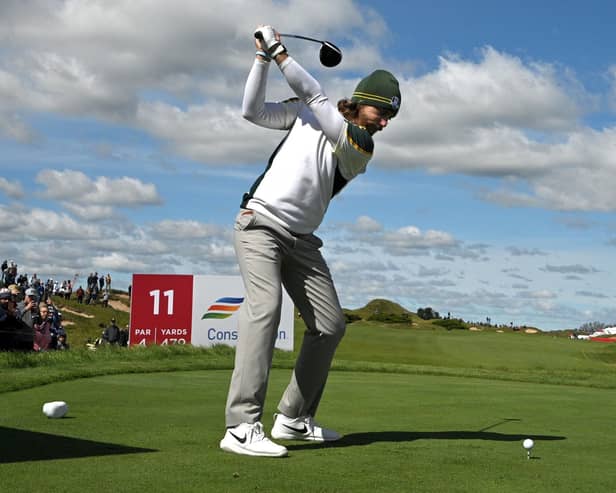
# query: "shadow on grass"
367 438
23 446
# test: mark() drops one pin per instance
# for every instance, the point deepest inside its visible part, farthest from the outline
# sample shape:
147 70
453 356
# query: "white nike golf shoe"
249 439
302 428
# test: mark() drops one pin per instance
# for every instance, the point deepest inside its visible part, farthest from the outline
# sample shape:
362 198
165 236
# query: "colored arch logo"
223 308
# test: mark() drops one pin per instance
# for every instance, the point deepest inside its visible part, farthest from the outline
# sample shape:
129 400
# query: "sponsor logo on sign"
223 308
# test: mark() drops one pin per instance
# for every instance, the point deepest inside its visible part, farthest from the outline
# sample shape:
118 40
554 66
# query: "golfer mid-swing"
325 147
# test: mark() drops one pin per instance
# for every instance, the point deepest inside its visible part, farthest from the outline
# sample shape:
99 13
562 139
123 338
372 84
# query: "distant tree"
427 313
590 327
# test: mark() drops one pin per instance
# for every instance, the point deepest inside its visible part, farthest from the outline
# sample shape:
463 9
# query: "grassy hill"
379 306
85 323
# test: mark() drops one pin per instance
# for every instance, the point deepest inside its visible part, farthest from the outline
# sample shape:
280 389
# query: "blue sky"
490 194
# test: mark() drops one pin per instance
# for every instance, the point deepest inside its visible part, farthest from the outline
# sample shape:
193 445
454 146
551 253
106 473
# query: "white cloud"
118 262
187 229
12 189
366 224
611 97
498 115
106 52
518 252
76 187
570 269
89 212
503 117
432 272
44 225
14 127
410 238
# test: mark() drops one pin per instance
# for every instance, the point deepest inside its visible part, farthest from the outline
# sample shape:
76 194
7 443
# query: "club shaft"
298 36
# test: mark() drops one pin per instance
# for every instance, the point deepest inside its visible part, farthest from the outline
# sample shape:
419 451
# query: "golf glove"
269 43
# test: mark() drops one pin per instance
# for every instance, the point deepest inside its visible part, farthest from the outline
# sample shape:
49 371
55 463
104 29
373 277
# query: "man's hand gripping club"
270 41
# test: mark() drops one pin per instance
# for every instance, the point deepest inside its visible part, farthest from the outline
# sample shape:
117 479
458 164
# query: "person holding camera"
29 309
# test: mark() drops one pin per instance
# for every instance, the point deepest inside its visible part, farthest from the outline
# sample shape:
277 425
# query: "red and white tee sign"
198 310
161 309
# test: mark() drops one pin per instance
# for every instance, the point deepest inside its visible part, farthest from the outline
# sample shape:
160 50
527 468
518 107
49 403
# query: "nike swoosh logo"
239 439
303 429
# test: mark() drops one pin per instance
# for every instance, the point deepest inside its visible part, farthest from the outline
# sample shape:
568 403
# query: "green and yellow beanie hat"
379 89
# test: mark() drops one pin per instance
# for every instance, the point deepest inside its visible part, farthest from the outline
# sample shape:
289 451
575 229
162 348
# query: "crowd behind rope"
26 305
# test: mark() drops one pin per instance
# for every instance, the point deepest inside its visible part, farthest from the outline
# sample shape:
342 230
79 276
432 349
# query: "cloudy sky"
492 194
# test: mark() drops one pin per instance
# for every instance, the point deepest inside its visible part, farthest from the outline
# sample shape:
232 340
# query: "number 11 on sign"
161 306
155 293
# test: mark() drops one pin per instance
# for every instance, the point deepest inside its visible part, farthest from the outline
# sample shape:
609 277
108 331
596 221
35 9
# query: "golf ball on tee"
528 443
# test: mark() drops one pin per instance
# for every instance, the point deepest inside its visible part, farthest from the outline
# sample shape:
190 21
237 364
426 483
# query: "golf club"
329 54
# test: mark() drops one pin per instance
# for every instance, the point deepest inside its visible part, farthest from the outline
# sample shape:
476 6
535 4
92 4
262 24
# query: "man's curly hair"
349 109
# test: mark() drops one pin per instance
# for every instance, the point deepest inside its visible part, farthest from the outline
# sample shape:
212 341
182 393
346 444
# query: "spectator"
108 282
28 308
124 335
95 293
14 334
106 299
7 306
62 344
5 266
10 273
56 321
54 314
80 294
111 335
101 283
15 291
42 330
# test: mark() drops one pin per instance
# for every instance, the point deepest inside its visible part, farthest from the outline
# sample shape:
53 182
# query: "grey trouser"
270 256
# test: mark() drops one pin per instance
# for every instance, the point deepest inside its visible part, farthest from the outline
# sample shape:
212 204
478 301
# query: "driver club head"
329 54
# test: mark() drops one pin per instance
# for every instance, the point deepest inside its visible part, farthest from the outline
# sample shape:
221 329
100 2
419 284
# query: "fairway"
160 432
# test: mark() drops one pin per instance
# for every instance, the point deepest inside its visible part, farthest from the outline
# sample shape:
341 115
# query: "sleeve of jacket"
279 116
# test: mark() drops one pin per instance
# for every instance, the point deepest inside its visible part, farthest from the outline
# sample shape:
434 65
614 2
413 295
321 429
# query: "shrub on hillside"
349 318
391 318
451 324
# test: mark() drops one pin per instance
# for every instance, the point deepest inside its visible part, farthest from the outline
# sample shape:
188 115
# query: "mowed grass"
160 432
510 355
421 410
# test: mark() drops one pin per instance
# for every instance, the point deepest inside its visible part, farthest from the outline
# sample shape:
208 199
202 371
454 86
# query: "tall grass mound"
381 307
